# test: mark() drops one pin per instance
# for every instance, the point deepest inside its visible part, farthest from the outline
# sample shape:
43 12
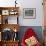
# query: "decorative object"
31 41
15 3
6 21
7 34
15 30
5 12
29 13
13 12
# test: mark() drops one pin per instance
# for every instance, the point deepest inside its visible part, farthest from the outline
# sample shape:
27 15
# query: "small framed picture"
29 13
5 12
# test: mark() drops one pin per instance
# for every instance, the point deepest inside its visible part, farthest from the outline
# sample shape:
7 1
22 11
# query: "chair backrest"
29 32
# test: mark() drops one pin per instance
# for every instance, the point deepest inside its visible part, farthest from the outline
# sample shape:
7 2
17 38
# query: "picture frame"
29 13
5 12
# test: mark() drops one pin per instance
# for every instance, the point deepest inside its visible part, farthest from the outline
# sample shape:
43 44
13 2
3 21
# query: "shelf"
10 19
7 10
11 41
8 15
10 26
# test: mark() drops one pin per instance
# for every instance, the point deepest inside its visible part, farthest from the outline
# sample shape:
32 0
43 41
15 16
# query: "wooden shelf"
9 8
11 26
4 13
9 43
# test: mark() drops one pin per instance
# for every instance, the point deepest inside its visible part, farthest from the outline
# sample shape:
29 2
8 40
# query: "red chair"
29 33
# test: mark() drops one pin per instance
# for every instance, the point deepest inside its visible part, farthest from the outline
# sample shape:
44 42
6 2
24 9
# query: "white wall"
39 13
7 3
27 4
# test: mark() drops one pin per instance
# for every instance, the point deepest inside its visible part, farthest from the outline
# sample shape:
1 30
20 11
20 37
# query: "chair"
28 34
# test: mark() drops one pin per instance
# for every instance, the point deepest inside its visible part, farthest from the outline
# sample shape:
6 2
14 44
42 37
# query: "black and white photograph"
29 13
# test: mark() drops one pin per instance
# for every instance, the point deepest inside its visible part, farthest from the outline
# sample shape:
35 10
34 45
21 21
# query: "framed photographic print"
5 12
29 13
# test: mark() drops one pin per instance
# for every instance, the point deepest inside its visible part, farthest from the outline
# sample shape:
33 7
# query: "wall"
39 13
7 3
27 4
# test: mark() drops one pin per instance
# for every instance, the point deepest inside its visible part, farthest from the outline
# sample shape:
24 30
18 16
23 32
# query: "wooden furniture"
5 13
44 9
0 43
11 26
10 43
44 37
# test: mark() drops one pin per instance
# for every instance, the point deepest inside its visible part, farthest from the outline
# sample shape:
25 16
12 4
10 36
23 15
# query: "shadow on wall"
37 29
